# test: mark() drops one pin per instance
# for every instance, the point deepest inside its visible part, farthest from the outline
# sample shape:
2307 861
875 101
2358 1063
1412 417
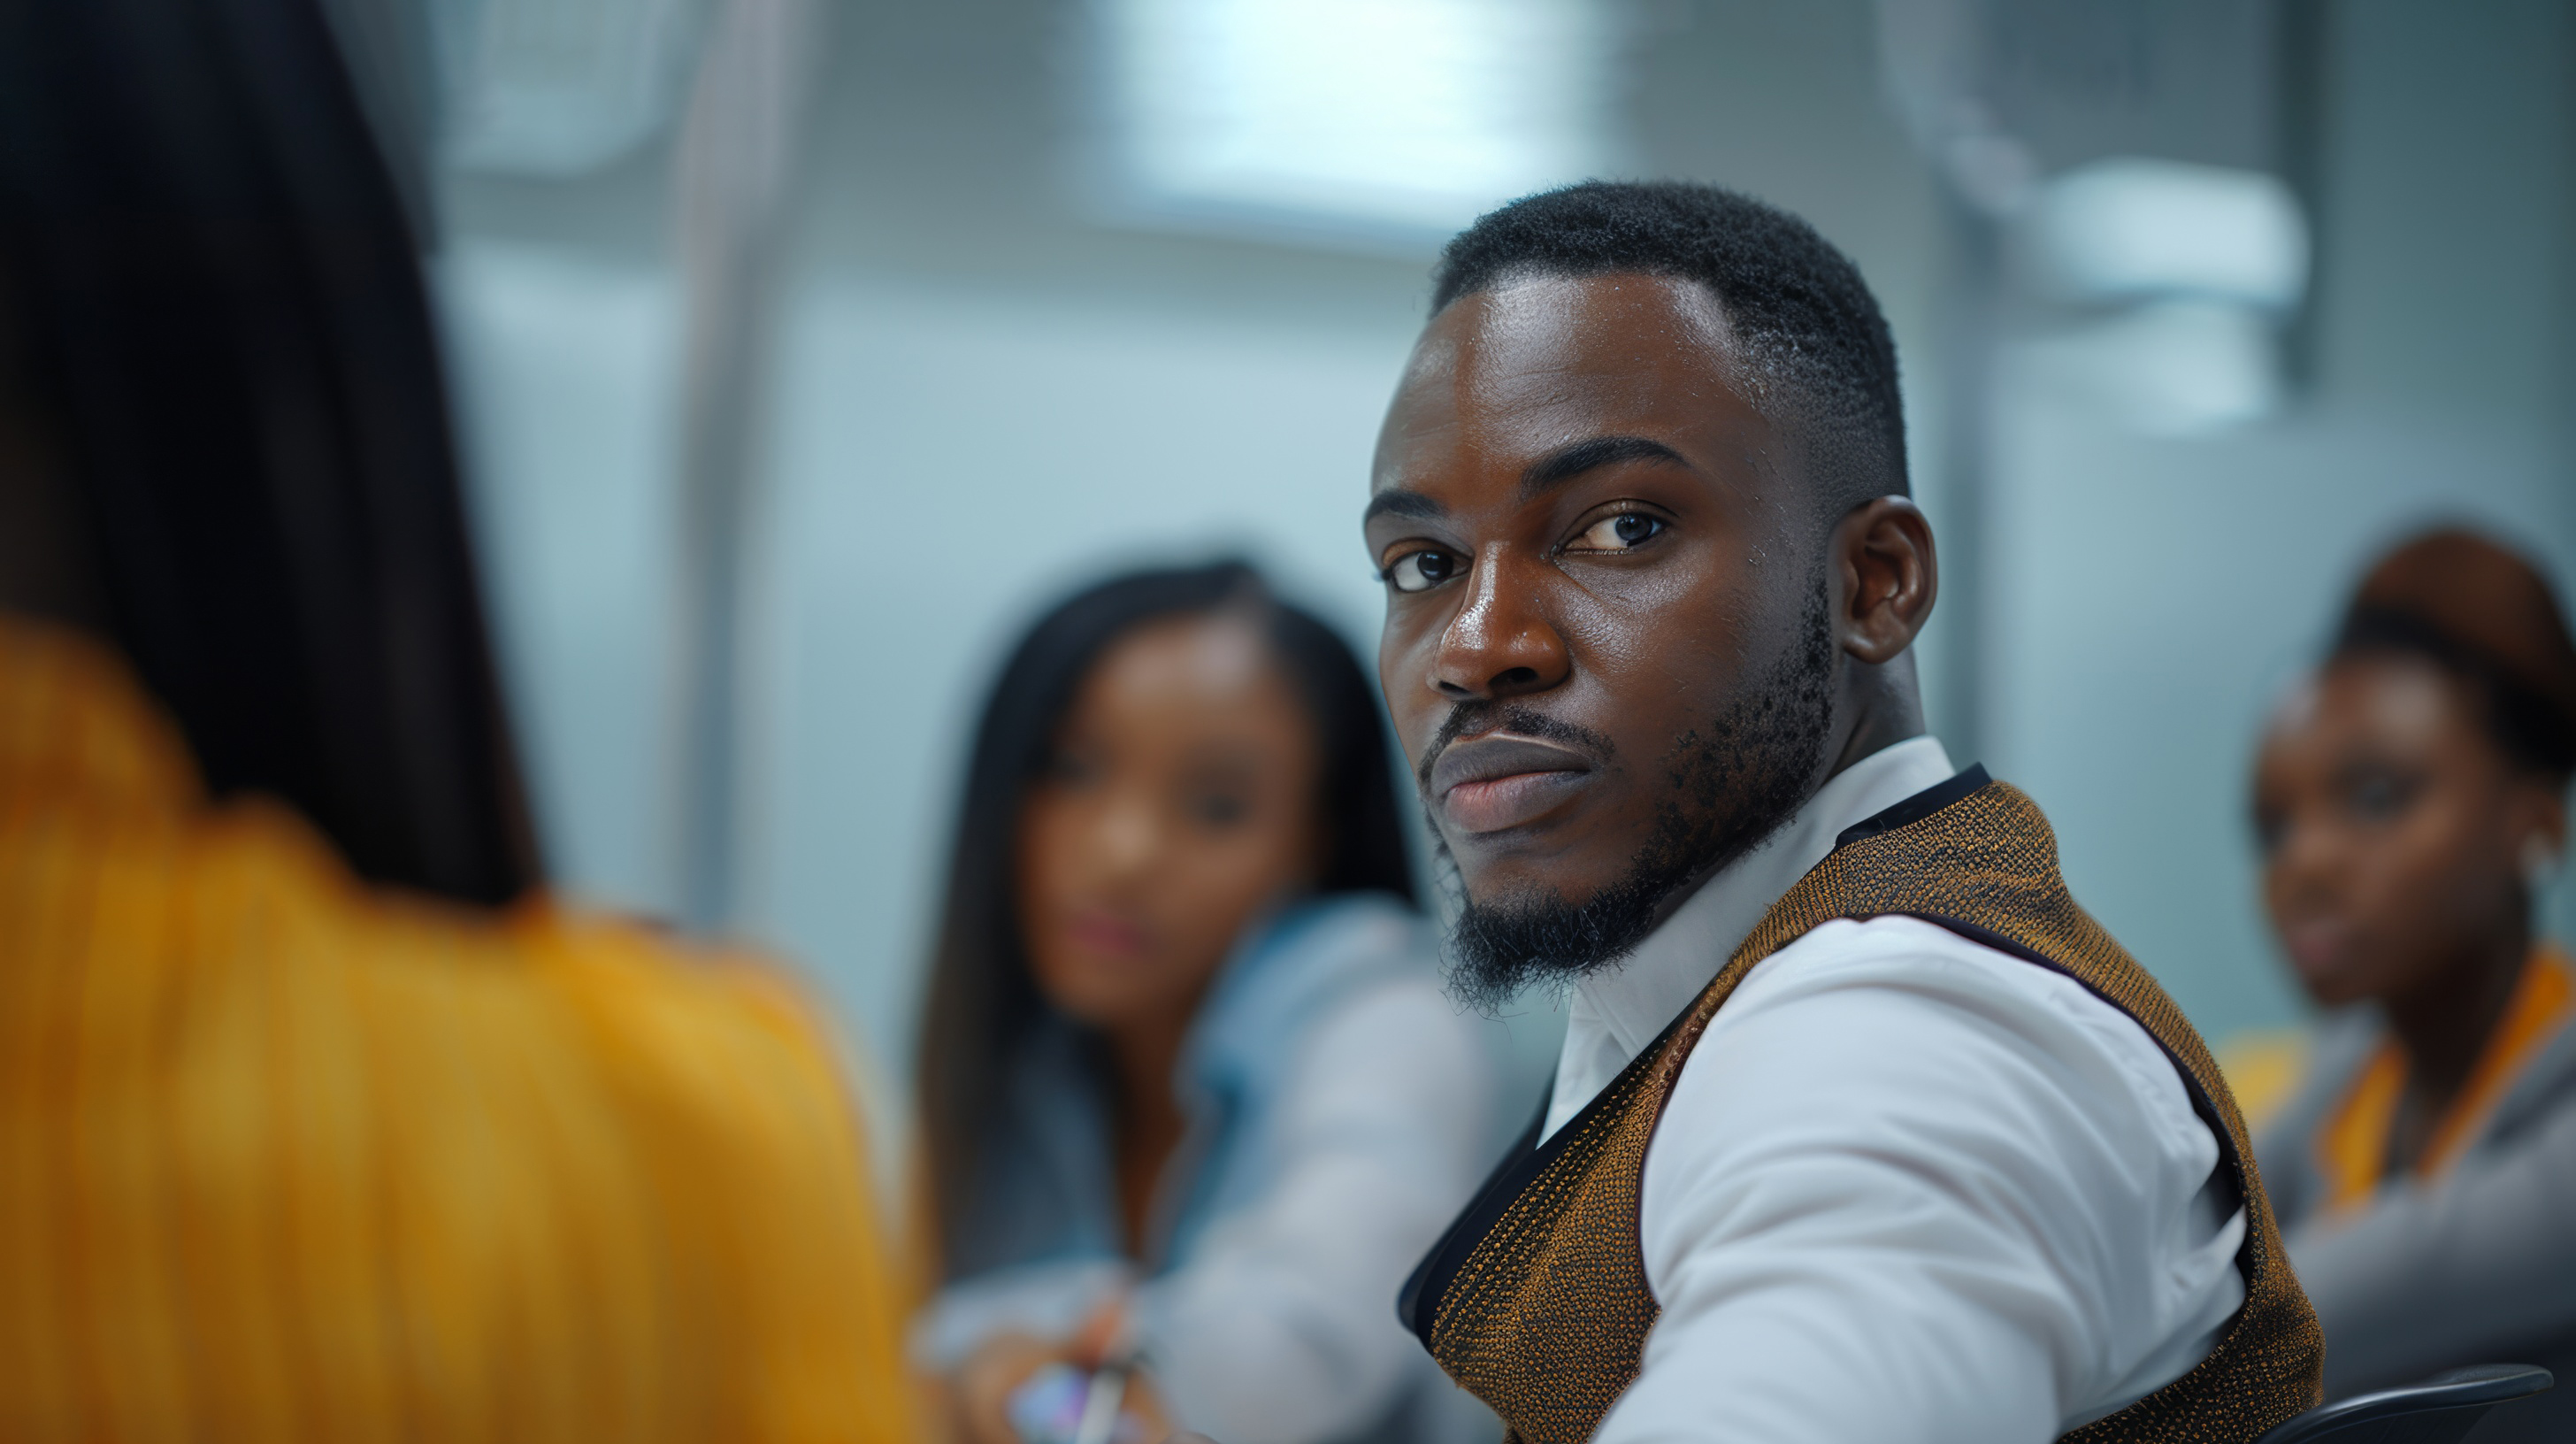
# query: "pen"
1100 1403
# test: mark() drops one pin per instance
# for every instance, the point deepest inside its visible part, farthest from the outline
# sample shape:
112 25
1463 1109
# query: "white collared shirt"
1907 1187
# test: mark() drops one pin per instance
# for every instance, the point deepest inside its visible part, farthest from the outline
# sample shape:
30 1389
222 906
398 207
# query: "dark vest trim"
1418 1304
1430 1278
1916 808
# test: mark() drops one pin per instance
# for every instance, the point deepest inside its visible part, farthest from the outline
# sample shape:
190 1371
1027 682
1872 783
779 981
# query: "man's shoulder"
1934 996
1912 954
1891 1055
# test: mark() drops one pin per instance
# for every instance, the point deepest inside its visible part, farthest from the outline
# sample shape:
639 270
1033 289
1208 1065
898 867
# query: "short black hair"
1811 328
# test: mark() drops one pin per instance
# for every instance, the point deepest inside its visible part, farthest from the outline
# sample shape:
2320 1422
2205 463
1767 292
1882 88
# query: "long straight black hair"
983 999
219 306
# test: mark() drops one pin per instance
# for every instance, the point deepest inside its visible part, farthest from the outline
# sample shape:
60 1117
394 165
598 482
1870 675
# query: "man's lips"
1498 781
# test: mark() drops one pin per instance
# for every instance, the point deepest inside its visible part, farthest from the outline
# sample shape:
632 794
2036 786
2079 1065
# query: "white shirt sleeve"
1282 1329
1908 1188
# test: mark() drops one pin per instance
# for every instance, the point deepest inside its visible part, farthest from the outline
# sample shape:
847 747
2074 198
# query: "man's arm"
1909 1188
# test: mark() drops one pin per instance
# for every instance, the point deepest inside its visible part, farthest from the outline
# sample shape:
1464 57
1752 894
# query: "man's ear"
1888 576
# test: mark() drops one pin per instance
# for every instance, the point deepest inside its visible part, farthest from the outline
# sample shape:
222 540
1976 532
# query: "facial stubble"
1732 783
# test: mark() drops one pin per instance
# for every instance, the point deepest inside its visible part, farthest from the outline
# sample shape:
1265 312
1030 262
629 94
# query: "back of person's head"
2485 615
294 1158
983 993
1811 333
217 317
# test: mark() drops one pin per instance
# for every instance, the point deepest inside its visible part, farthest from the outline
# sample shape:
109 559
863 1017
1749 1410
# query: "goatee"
1733 784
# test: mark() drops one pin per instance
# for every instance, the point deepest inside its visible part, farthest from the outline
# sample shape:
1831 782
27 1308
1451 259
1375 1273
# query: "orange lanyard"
2352 1147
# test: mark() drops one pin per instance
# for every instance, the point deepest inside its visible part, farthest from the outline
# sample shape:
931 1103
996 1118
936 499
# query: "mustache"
1480 717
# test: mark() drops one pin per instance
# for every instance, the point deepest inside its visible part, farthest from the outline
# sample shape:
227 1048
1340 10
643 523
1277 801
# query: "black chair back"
2441 1410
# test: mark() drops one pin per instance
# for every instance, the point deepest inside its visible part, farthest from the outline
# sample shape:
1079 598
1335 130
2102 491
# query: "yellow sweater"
284 1156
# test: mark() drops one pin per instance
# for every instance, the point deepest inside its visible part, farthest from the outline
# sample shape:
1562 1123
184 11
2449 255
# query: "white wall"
2152 597
562 362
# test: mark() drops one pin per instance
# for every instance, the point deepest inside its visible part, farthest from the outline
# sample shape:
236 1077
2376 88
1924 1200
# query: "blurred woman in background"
2411 802
1192 1092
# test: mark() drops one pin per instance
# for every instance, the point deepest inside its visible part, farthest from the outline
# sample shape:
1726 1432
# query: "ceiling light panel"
1376 121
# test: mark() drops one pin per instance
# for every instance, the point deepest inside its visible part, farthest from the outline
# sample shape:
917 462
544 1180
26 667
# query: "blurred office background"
805 346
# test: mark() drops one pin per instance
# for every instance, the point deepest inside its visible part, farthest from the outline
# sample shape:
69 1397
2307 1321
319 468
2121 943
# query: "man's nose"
1501 643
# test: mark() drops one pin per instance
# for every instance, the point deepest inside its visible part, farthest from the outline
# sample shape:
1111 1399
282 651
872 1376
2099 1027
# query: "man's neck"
1880 707
1880 716
1622 1006
1780 837
1884 706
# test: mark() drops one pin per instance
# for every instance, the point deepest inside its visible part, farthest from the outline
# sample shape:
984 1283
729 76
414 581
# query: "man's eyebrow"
1572 461
1399 502
1555 469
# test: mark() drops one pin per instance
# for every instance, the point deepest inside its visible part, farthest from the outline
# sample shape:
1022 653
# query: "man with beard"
1862 1129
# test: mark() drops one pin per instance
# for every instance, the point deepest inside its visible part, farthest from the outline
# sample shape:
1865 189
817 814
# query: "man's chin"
1513 940
1513 882
1733 783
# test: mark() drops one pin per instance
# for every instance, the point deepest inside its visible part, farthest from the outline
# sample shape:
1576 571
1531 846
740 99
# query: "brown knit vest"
1537 1300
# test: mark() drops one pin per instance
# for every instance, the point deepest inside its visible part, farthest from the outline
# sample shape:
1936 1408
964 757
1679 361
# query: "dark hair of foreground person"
225 327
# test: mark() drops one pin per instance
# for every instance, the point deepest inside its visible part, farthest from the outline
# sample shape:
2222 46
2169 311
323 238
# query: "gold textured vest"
1537 1300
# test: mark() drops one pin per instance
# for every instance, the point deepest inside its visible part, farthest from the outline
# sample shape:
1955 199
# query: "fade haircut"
1823 364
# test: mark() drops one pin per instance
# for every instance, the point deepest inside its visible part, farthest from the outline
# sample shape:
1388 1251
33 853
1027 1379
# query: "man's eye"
1421 571
1624 532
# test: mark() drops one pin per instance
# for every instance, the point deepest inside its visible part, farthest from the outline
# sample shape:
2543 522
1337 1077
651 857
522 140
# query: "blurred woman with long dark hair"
2411 801
1192 1094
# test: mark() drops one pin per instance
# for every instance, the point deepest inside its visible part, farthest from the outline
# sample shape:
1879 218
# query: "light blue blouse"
1339 1112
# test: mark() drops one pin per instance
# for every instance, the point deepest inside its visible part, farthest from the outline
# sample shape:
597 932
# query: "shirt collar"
1631 1001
